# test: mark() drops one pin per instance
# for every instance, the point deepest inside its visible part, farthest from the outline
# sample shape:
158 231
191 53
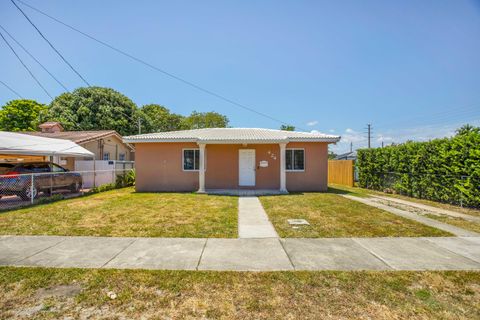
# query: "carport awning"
23 144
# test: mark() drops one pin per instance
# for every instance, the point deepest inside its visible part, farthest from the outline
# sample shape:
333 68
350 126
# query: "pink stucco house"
206 160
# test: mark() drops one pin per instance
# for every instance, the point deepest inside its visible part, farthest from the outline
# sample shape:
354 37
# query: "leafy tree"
199 120
157 118
21 115
94 108
466 129
287 127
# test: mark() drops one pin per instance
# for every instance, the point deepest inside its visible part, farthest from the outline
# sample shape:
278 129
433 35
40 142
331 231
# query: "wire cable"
51 45
25 66
169 74
9 88
31 56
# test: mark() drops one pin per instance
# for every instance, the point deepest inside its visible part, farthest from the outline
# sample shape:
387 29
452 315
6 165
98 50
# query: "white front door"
246 167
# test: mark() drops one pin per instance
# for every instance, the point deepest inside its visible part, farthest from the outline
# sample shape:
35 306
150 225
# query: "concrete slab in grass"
460 246
13 248
416 254
161 253
331 254
79 252
244 255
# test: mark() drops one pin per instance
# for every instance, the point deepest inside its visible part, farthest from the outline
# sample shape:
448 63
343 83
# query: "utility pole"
382 143
351 146
369 127
139 126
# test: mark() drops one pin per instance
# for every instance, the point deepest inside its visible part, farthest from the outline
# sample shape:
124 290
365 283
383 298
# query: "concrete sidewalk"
267 254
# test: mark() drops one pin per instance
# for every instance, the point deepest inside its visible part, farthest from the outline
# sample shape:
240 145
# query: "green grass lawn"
458 222
331 215
44 293
123 212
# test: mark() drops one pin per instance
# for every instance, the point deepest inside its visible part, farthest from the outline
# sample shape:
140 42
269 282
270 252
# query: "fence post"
31 189
461 195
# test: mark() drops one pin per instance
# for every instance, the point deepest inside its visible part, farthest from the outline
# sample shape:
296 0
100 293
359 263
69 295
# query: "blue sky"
410 68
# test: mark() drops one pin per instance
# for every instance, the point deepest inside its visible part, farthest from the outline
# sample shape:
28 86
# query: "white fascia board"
231 141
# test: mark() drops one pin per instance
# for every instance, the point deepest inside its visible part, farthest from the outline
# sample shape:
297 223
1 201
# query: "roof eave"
230 141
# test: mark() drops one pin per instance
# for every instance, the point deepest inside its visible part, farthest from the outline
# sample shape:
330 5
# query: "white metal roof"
232 135
17 143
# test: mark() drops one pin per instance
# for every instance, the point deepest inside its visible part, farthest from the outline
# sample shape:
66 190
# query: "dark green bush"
445 170
126 179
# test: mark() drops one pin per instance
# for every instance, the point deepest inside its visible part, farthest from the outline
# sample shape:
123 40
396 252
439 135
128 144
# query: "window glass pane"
188 159
288 158
121 157
56 168
299 160
197 159
106 156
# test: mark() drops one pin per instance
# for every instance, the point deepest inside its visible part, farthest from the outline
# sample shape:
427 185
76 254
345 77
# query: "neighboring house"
352 155
231 158
105 144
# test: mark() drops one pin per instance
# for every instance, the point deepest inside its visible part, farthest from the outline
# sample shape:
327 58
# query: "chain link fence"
454 189
18 190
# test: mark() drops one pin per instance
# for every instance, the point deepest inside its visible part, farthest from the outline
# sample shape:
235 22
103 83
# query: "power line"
9 88
51 45
31 56
169 74
24 65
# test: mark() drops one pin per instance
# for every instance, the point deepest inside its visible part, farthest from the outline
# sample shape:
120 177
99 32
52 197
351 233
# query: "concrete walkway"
253 220
428 209
266 254
417 217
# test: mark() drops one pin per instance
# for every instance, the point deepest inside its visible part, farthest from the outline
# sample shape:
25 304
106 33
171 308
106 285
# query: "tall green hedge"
446 170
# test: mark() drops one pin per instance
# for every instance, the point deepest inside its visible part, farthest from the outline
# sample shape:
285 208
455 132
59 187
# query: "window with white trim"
295 159
106 156
191 159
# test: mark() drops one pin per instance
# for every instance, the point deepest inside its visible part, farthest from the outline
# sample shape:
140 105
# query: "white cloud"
331 130
348 130
312 123
316 131
383 138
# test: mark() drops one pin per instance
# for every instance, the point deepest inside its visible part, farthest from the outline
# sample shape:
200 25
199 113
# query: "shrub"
125 179
446 170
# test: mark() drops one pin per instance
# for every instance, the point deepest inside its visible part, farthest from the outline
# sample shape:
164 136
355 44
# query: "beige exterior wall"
222 166
112 144
315 176
159 167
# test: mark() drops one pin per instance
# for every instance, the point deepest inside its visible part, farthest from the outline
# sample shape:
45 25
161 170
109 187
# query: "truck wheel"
75 187
29 192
